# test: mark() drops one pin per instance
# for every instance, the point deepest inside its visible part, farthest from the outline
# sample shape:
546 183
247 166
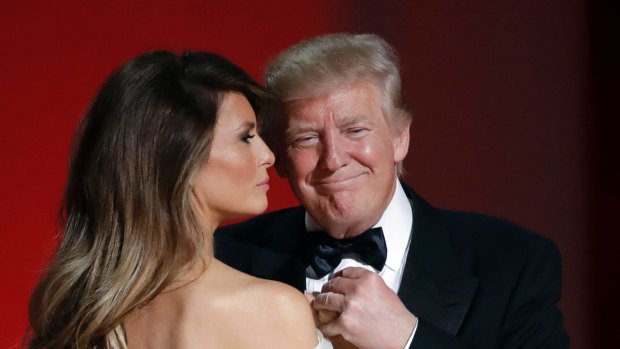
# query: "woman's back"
224 308
168 150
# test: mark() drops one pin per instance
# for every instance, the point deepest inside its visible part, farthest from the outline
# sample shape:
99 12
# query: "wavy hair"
128 225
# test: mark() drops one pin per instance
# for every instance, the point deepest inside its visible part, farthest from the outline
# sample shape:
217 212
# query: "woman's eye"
247 138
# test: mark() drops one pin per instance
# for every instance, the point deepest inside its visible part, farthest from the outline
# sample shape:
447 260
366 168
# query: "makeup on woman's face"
233 183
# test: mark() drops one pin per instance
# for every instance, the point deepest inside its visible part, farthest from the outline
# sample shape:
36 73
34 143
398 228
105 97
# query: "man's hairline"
388 108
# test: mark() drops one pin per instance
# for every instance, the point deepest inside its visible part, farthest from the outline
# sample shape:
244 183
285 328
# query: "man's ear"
401 143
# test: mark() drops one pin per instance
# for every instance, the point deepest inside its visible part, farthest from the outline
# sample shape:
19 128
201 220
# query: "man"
423 277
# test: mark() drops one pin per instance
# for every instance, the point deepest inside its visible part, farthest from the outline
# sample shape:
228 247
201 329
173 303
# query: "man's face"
341 155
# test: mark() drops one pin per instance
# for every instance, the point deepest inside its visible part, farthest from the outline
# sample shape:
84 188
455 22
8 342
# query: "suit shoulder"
473 229
238 245
254 228
494 238
485 228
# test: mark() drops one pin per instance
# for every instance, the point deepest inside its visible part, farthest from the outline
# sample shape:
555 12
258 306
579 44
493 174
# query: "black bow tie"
323 253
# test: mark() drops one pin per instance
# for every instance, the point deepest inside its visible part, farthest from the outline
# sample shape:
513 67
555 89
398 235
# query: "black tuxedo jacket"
473 281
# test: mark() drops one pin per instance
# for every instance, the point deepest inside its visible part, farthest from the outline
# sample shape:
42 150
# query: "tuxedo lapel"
432 286
443 305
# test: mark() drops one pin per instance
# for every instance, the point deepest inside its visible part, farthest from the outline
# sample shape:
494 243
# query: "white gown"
324 343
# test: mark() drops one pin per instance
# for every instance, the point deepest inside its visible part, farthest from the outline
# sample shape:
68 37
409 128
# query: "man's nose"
334 152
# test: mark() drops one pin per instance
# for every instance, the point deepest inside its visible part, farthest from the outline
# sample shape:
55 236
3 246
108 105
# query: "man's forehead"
341 106
311 121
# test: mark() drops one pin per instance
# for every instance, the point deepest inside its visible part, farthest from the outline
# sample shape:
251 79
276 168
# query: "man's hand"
371 314
324 316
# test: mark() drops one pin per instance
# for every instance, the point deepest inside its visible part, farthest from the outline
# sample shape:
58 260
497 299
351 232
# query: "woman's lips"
264 184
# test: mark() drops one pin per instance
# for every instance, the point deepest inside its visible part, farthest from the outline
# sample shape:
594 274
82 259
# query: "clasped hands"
357 305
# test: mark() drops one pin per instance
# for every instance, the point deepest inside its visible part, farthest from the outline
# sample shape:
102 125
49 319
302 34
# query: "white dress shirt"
396 224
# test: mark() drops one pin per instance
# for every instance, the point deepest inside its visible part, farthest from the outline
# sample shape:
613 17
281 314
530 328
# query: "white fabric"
396 223
324 343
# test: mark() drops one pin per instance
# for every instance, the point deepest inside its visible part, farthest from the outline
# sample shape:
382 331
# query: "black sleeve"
533 319
427 336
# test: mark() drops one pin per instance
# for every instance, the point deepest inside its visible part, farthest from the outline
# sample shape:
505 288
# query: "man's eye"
305 141
247 138
356 132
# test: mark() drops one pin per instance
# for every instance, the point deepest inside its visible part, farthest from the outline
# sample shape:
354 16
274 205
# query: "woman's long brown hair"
128 228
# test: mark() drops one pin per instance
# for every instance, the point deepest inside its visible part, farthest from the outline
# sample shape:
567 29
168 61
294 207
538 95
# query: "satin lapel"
280 259
432 287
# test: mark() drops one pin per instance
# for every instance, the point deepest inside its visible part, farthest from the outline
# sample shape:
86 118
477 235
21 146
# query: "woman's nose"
266 158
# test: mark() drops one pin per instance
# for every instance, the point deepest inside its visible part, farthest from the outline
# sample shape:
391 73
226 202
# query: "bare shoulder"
288 301
248 312
283 315
225 308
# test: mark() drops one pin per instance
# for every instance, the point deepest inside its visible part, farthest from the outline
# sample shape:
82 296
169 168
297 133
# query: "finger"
328 301
332 328
325 316
315 314
328 285
340 285
341 343
309 297
352 272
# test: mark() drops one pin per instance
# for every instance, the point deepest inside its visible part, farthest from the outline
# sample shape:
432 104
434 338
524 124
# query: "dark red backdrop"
504 106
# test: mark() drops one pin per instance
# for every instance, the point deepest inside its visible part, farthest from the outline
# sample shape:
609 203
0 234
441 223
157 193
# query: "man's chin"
346 223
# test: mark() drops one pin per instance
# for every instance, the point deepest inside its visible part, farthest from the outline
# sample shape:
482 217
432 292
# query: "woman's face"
233 183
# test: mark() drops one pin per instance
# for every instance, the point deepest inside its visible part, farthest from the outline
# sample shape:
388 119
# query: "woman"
168 150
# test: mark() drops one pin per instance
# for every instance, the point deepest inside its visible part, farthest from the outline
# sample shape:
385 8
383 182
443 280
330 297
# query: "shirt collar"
396 223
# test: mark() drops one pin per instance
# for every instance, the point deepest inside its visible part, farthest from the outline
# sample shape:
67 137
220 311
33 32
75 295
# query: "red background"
512 101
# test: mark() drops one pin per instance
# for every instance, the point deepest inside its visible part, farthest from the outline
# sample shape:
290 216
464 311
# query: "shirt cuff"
412 334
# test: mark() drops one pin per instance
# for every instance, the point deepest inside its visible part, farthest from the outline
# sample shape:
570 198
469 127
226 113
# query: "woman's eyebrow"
247 125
